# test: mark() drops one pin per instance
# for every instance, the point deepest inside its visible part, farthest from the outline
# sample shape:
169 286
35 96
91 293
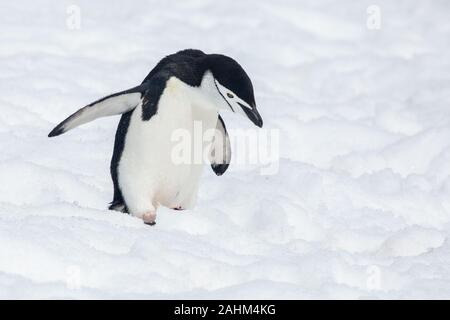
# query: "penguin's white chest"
151 171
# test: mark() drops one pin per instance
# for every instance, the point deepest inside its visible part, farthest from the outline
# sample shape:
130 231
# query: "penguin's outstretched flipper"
117 103
220 154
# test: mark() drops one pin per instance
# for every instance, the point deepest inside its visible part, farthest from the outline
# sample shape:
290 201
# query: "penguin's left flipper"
114 104
220 154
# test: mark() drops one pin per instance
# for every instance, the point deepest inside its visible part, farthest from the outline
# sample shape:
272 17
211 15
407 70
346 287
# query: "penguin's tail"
114 104
118 206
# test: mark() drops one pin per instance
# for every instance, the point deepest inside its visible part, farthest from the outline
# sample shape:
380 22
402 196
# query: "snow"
358 208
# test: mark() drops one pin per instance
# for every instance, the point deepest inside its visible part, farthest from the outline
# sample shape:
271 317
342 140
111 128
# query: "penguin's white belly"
149 174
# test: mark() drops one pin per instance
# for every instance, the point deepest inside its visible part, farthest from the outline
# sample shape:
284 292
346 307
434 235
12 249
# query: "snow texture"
360 205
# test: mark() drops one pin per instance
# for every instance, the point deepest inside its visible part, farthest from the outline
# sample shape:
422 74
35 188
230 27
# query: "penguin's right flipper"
220 154
114 104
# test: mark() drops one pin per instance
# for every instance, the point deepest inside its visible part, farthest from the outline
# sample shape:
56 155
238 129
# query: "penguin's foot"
149 218
179 208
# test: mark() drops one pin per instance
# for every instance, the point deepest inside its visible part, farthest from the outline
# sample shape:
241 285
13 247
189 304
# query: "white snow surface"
360 205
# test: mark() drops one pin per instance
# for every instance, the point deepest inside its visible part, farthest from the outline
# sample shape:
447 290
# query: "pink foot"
149 218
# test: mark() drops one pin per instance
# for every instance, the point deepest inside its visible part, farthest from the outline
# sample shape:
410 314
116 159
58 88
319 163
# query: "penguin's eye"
230 95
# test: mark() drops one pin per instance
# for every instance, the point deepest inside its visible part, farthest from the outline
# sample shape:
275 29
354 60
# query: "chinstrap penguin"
183 88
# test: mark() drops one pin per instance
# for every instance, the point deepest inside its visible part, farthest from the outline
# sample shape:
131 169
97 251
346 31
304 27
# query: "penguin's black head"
234 85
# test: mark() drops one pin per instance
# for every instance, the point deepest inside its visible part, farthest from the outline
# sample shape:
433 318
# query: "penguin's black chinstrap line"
223 96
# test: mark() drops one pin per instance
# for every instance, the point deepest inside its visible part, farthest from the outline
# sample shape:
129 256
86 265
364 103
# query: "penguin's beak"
253 115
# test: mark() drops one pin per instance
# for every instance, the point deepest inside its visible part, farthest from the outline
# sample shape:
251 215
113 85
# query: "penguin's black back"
119 144
183 65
